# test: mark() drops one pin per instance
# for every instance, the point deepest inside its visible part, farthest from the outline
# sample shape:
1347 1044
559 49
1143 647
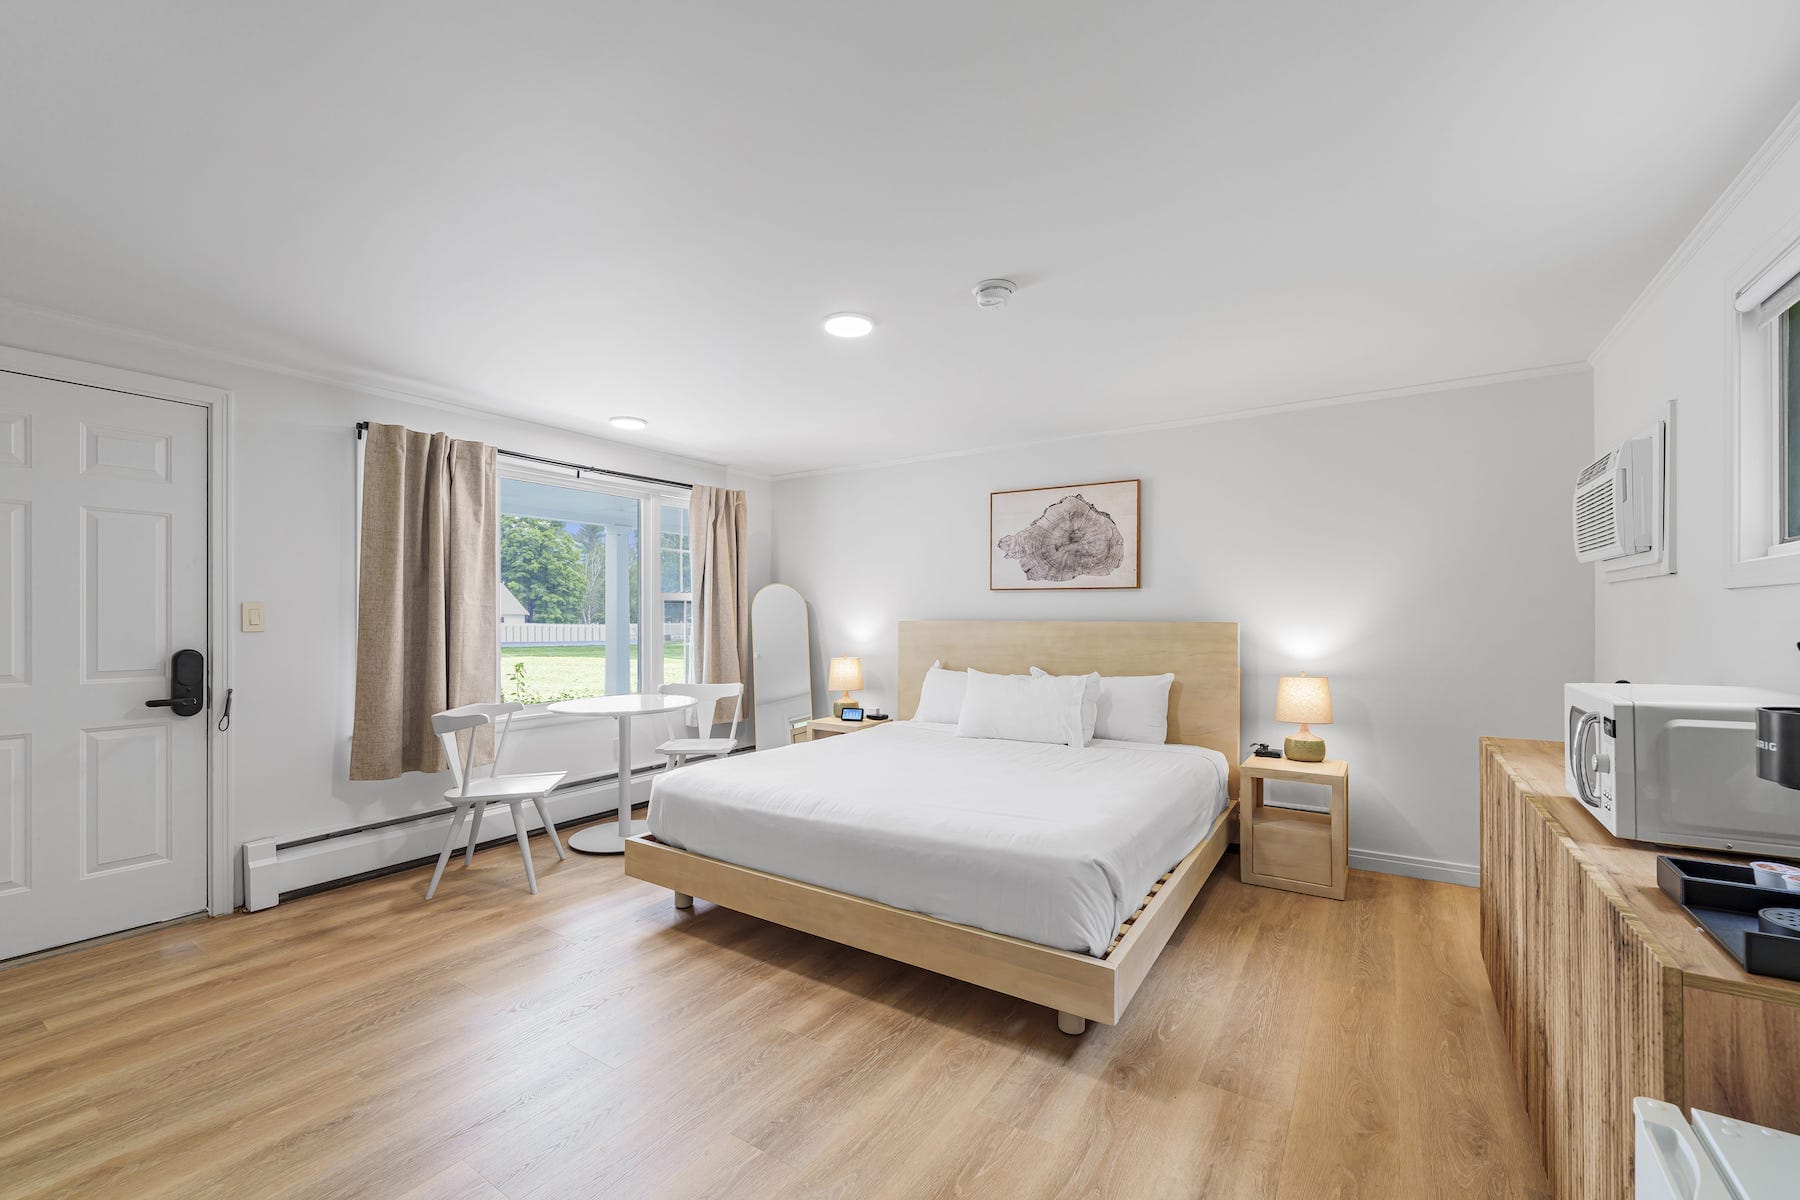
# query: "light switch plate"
255 616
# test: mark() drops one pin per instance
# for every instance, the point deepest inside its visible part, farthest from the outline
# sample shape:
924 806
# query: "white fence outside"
520 633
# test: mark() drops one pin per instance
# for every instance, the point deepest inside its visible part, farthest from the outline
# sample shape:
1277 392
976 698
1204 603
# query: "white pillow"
1090 703
1133 708
941 697
1023 708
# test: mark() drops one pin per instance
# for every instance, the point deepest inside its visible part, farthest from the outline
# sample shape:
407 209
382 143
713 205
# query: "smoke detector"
992 293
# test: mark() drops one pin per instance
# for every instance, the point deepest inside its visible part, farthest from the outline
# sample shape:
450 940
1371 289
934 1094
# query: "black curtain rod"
362 427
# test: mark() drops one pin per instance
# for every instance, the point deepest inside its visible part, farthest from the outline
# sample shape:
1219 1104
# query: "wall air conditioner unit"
1620 509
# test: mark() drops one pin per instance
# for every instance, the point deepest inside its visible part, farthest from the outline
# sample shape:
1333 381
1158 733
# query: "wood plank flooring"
594 1041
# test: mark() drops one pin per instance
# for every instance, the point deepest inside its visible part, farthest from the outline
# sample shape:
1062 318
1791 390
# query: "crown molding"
472 404
369 383
1237 414
1773 147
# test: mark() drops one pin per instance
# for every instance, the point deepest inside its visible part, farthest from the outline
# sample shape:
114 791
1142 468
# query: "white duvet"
1047 843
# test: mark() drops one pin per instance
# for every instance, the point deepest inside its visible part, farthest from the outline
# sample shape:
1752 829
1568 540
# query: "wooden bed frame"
1203 711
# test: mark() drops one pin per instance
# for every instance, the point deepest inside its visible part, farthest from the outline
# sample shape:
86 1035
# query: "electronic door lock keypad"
187 684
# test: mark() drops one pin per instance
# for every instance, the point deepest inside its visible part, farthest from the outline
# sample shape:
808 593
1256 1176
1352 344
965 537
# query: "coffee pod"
1785 921
1792 879
1772 874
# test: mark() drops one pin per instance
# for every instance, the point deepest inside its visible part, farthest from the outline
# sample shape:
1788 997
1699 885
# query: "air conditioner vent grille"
1594 470
1594 527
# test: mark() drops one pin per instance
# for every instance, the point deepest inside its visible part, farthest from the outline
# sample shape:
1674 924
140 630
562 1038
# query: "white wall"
296 538
1688 627
1415 549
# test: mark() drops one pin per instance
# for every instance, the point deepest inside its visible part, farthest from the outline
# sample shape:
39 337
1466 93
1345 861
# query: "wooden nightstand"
1285 848
824 727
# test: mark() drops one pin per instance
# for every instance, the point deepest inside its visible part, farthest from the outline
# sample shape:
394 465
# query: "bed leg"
1071 1024
683 900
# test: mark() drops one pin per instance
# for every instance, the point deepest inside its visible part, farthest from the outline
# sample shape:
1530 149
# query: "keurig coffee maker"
1778 745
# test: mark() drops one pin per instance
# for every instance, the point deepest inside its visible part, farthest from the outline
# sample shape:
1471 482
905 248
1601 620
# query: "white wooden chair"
697 720
472 793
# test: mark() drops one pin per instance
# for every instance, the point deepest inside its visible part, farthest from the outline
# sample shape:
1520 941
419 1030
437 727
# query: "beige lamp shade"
1303 700
846 675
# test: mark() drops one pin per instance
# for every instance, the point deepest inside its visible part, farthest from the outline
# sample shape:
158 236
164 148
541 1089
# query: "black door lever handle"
187 679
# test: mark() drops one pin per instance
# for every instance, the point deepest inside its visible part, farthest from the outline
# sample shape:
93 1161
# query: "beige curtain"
717 517
427 633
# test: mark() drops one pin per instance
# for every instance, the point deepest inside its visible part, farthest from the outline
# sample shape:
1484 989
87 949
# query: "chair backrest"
451 722
699 715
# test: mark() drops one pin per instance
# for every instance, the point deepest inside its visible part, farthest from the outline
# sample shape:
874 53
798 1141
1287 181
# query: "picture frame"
1068 537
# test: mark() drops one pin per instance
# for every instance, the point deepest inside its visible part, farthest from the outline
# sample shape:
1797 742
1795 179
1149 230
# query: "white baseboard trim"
1466 874
272 871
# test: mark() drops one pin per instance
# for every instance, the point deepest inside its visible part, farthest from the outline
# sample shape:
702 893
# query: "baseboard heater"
275 869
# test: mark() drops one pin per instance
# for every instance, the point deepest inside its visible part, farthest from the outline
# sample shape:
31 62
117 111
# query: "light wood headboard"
1203 704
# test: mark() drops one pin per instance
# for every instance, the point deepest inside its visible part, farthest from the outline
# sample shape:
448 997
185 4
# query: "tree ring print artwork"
1075 537
1071 538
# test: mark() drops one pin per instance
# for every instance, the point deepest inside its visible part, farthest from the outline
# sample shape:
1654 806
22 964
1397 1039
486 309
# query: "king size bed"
1055 873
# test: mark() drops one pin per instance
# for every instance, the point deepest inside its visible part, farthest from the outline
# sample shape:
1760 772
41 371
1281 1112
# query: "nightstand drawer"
1293 845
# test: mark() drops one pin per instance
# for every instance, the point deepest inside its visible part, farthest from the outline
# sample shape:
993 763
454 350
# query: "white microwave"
1676 765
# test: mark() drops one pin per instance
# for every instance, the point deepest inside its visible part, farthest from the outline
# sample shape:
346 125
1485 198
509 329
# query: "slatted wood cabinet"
1605 988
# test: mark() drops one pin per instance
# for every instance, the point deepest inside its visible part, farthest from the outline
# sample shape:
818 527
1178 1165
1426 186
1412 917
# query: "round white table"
607 839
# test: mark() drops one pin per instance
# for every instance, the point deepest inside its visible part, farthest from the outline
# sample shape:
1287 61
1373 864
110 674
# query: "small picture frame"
851 714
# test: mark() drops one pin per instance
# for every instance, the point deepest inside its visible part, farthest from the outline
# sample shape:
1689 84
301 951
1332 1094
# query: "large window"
577 615
1763 497
1789 399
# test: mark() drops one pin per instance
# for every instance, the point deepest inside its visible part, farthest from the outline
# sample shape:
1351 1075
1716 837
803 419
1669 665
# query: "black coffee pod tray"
1724 899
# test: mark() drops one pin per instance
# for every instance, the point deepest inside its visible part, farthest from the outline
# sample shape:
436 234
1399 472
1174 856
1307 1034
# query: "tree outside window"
541 564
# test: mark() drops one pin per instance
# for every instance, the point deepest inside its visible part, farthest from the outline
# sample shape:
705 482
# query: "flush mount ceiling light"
632 423
992 293
848 325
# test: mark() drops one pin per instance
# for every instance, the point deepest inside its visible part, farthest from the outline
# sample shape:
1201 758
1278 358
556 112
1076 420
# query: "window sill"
1770 570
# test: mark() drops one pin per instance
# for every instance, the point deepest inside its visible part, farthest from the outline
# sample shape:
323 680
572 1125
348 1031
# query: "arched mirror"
781 663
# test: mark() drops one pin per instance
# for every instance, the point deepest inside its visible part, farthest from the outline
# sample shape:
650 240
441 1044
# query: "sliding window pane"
569 591
677 571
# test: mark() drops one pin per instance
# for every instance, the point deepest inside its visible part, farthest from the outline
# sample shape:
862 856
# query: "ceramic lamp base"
841 703
1304 749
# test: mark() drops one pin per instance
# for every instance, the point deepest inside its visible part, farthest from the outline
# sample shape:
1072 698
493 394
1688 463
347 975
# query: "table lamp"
1302 699
846 677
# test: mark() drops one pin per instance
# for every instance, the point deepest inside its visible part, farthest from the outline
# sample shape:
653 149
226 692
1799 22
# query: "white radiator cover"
270 870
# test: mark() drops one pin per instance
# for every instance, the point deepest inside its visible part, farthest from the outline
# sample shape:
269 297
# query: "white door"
103 808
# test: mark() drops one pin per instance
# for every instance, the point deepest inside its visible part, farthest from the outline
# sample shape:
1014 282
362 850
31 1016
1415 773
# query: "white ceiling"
571 210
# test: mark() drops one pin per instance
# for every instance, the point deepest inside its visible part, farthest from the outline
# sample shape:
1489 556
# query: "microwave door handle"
1586 761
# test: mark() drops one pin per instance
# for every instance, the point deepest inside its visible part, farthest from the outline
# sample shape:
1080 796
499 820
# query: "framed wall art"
1078 537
